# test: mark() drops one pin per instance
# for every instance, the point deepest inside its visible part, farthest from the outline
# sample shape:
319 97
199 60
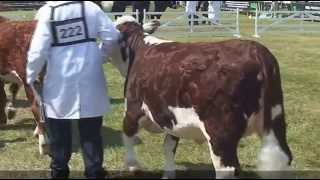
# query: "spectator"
74 87
191 8
214 11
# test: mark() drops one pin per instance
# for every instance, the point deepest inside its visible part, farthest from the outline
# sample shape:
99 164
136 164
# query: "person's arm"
108 34
39 48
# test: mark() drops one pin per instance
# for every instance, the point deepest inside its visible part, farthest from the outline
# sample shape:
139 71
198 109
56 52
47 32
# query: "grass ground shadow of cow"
117 100
110 138
16 126
4 142
185 170
22 124
22 103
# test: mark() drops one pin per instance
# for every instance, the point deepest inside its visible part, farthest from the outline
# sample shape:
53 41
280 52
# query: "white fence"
113 14
177 24
286 22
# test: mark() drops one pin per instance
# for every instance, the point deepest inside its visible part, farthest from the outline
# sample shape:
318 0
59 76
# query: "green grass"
298 56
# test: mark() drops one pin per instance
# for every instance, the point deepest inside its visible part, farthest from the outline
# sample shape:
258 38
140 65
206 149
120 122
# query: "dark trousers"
60 137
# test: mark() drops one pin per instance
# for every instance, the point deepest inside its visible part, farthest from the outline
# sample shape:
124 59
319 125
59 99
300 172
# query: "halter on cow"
210 92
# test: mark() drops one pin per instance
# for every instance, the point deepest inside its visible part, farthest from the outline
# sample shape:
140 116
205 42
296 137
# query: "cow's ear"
151 27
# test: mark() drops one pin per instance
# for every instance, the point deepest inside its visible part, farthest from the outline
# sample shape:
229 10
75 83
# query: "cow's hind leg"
130 130
14 88
170 147
224 157
3 102
223 143
275 154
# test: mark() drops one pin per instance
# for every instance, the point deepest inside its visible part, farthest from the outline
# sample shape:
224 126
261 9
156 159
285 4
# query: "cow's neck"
135 42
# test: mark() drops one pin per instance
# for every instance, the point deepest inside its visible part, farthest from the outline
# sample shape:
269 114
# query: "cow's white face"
120 56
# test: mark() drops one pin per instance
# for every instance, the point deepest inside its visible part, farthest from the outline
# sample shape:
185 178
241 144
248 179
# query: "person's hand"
37 85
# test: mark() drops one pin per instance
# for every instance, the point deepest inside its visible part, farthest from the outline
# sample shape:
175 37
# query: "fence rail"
286 21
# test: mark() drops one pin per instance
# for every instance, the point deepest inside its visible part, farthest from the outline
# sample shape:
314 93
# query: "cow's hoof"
133 169
169 175
133 166
44 147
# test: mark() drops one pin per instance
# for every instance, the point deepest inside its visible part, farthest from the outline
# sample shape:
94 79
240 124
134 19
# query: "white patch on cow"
272 156
124 19
12 77
276 111
43 144
151 40
131 160
36 131
153 126
147 124
252 126
10 107
188 124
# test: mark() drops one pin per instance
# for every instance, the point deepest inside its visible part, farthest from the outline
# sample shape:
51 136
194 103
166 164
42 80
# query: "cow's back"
15 38
223 76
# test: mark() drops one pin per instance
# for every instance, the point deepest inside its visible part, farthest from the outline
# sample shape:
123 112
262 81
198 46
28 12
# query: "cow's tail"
275 153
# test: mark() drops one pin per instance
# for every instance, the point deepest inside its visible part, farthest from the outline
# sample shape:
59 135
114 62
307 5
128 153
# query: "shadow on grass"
18 126
110 138
202 170
117 100
4 142
22 103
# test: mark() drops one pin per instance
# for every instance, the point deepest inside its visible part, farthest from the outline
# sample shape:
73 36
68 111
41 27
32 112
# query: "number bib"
71 31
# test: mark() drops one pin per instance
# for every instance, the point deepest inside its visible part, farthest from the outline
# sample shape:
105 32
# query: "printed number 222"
71 32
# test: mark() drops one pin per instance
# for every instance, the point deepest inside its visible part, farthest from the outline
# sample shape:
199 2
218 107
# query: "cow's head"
127 25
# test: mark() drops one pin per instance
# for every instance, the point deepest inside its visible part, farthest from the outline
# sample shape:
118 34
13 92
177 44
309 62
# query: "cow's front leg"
3 102
12 110
39 121
130 130
170 147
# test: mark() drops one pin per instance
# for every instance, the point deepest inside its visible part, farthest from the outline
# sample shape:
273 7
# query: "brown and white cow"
15 38
14 88
210 92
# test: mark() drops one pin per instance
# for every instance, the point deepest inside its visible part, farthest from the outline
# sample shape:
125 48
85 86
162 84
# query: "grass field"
299 59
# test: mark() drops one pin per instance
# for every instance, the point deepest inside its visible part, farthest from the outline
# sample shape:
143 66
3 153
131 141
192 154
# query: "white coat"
74 85
191 7
214 11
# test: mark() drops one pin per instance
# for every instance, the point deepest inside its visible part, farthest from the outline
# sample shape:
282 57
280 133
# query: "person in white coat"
214 11
191 9
74 86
